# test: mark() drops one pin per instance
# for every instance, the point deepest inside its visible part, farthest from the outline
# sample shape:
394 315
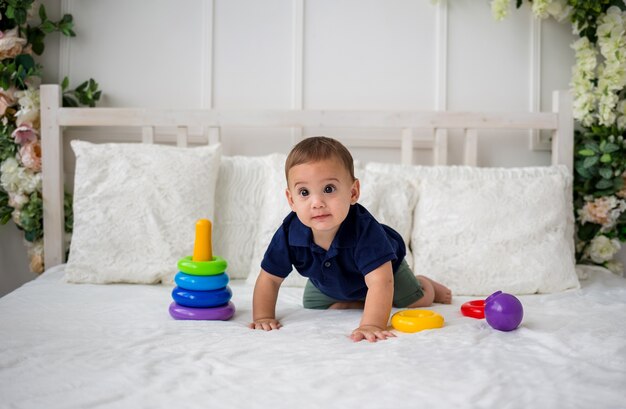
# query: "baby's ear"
355 191
289 198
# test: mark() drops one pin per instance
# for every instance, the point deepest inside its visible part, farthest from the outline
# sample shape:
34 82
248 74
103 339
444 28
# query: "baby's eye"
329 189
303 192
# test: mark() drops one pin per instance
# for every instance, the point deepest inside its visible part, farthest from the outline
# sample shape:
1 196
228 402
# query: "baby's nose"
317 201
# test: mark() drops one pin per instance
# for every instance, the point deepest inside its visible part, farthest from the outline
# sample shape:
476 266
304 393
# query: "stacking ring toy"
474 309
416 320
201 299
223 313
217 265
200 283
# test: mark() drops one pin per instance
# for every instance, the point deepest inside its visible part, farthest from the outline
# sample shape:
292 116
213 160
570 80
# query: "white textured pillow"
135 209
242 187
274 209
482 230
390 192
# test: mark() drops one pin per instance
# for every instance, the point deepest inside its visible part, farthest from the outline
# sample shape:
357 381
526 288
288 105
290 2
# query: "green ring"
202 268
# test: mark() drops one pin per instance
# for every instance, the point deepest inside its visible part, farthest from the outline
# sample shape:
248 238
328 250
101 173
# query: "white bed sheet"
115 346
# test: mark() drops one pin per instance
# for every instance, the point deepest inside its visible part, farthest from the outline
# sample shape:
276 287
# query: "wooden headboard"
54 119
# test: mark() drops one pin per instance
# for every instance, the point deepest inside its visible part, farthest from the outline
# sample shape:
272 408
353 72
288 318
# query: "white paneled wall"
318 54
323 54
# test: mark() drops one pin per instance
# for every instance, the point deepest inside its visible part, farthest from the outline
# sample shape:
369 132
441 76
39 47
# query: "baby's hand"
371 333
266 324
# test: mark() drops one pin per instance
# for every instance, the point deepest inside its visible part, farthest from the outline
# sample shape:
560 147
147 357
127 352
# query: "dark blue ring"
201 299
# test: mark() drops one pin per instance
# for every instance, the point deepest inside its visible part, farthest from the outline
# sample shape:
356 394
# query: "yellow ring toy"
416 320
202 268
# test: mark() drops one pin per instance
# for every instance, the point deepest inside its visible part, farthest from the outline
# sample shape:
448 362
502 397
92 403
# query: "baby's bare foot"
443 295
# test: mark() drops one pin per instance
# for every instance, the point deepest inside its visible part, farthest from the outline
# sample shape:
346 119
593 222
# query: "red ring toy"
474 309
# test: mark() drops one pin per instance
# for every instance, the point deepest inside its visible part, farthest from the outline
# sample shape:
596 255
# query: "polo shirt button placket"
327 264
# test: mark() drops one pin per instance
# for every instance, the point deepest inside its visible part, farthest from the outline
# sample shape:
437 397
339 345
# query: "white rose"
559 10
11 44
540 8
17 200
16 179
602 249
29 107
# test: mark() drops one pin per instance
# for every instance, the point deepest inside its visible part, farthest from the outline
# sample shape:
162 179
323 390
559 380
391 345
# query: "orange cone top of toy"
203 247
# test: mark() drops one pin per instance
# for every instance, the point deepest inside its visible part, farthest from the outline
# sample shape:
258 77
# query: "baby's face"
321 194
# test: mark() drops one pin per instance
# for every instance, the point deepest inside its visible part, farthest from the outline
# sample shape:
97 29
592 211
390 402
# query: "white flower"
28 100
11 44
500 9
540 8
615 267
621 111
603 211
602 249
612 74
582 83
559 10
16 215
16 179
17 200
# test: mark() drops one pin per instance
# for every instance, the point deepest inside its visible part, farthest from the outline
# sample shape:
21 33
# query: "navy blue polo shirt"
361 245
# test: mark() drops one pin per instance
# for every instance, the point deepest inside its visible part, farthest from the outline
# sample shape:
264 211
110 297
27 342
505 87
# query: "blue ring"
201 299
200 283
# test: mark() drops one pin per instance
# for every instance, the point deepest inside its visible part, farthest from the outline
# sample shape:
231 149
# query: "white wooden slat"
147 134
470 147
213 136
406 147
440 150
52 177
182 136
563 137
297 118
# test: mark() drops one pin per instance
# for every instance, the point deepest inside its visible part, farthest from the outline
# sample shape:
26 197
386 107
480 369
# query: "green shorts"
406 290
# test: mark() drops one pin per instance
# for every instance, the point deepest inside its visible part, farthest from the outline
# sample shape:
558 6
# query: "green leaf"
42 13
604 184
590 161
65 83
606 172
586 152
588 231
606 158
48 27
82 87
26 61
10 13
610 148
593 146
582 171
69 102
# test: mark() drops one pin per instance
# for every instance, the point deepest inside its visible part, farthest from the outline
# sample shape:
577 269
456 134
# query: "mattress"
115 346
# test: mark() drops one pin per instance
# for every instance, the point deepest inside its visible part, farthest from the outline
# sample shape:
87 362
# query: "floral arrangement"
599 90
21 38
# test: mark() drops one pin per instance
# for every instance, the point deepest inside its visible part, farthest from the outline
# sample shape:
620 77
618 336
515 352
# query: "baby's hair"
318 148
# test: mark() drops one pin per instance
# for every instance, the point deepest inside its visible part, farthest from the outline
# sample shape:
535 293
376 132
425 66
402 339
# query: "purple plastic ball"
503 311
